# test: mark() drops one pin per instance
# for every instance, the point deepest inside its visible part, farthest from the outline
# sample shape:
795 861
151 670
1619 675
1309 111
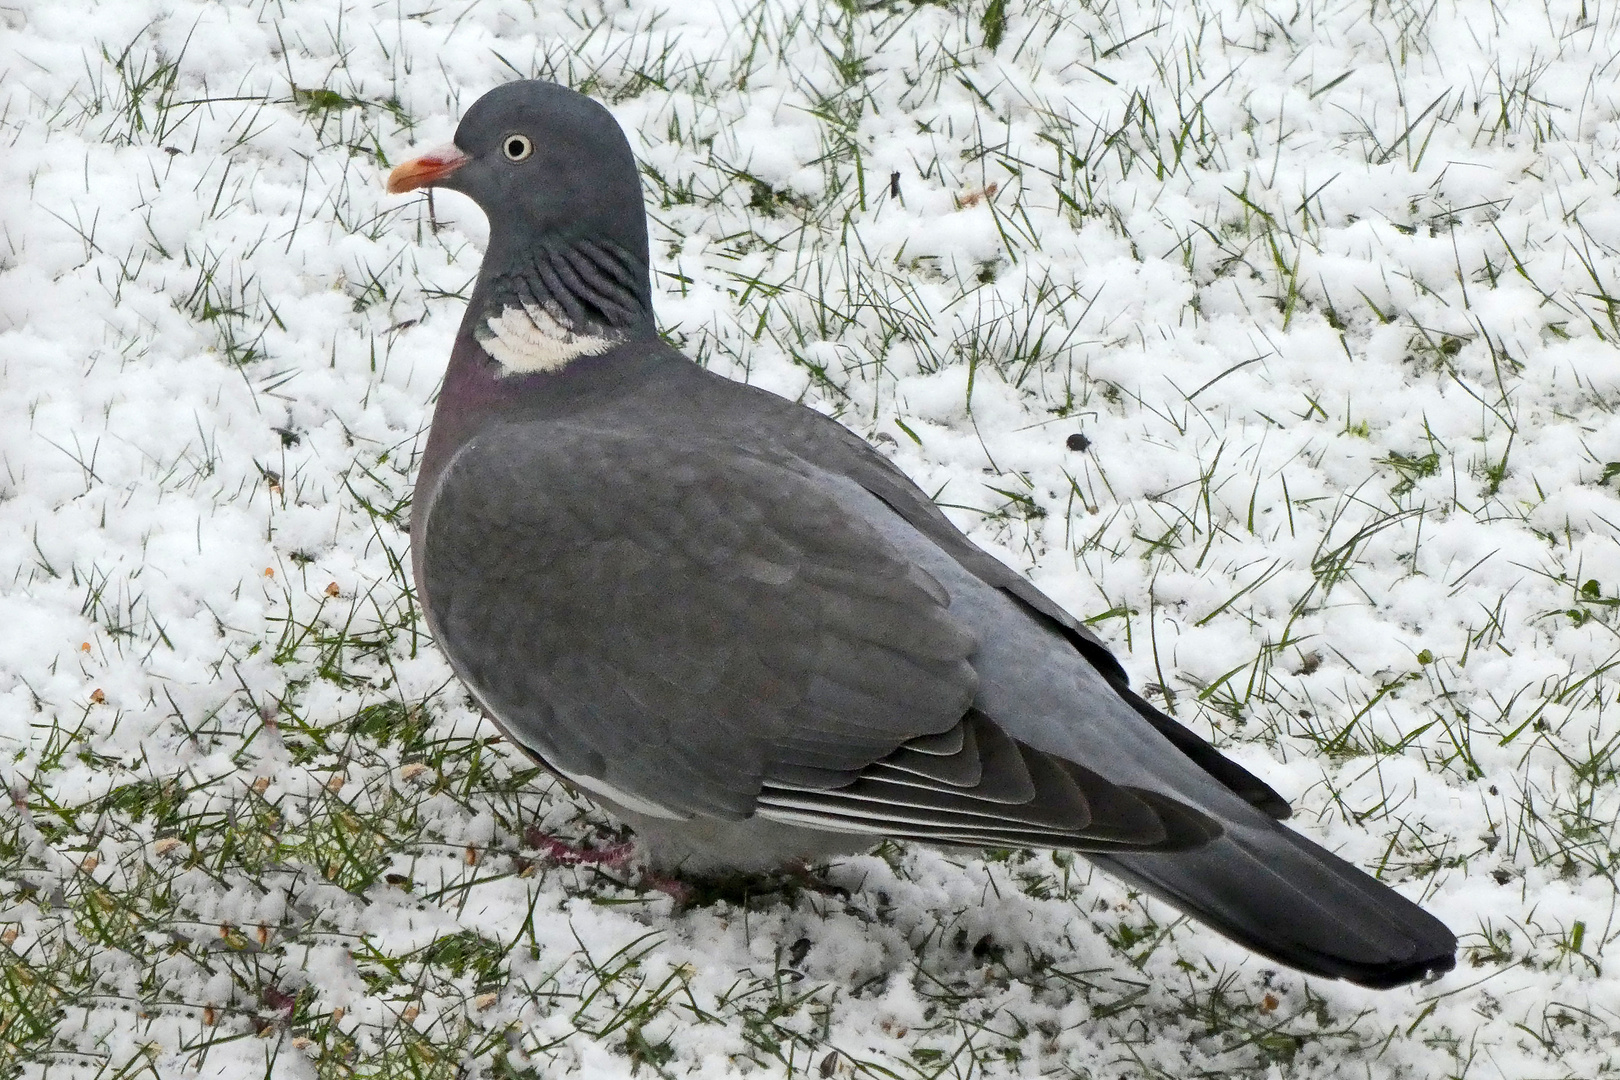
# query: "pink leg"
674 888
614 855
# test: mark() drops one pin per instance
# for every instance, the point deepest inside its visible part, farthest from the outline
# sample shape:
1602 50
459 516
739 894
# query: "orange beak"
427 170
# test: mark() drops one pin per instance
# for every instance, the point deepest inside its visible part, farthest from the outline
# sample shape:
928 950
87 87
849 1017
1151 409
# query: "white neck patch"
531 338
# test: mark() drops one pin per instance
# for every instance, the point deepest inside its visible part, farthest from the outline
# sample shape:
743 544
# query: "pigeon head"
566 271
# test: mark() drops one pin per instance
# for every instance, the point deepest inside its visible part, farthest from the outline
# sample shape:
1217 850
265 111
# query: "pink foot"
674 888
564 854
614 856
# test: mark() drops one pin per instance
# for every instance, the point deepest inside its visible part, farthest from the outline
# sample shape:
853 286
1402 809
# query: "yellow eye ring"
517 147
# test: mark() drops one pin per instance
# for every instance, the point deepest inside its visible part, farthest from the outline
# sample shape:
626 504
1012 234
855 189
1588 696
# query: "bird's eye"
517 147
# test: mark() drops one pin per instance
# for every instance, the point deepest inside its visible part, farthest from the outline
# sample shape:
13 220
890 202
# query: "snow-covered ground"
1331 291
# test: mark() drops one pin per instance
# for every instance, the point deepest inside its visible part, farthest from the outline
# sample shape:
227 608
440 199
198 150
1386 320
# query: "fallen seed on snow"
8 936
472 856
302 1043
90 863
972 198
98 696
335 782
484 1001
410 1014
260 784
209 1016
84 646
165 845
338 1012
412 771
332 589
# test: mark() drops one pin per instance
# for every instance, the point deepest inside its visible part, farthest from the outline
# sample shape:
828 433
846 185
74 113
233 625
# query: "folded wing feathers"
917 825
944 744
853 650
991 790
1007 777
961 769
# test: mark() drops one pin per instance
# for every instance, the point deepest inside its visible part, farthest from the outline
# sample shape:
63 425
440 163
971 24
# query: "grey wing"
1253 879
842 452
709 632
679 624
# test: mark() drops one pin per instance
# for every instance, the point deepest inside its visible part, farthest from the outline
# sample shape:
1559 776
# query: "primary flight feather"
751 638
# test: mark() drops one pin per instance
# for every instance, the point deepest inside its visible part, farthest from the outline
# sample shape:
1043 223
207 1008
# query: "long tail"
1270 889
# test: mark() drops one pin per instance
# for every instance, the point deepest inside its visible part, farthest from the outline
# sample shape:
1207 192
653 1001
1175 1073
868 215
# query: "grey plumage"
748 635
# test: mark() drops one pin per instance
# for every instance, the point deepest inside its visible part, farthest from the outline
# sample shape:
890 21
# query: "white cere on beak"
532 338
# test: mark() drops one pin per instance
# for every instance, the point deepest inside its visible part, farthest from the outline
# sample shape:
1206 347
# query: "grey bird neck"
547 330
539 308
561 315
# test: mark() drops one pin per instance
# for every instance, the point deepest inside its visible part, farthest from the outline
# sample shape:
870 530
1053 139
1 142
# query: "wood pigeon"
748 636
